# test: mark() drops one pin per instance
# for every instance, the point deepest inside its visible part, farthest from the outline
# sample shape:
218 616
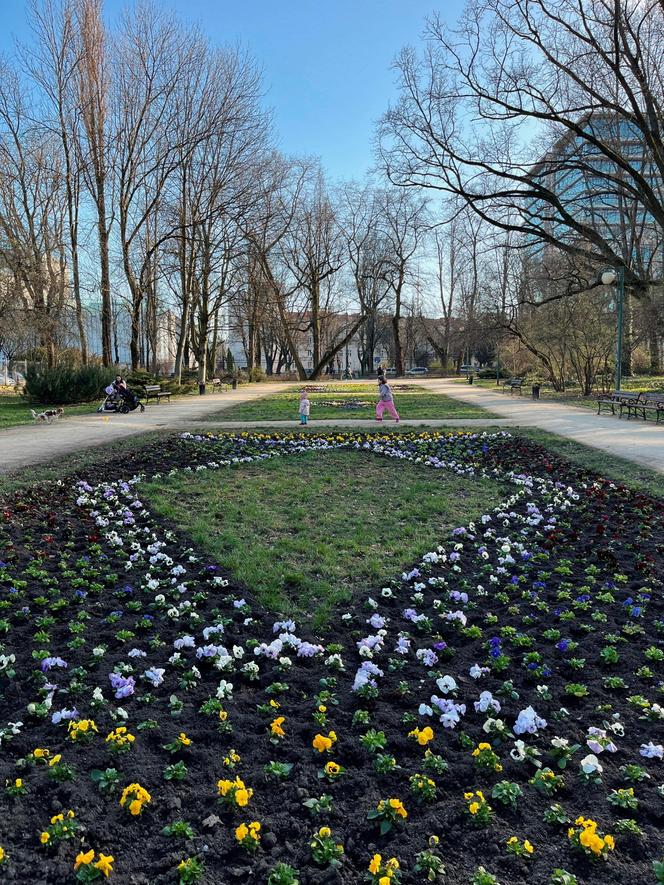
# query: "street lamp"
612 277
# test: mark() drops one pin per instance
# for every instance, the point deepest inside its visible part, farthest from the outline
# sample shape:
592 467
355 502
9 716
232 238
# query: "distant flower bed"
351 386
495 711
345 403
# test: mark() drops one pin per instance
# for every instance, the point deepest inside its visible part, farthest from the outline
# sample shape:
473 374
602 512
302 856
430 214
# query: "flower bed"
496 710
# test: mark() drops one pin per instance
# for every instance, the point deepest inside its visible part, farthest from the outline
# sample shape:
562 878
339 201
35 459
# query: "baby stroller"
122 401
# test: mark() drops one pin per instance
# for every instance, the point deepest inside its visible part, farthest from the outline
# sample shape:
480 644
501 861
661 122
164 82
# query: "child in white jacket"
305 407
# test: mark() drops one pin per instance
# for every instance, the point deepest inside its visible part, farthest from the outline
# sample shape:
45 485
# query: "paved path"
639 441
27 445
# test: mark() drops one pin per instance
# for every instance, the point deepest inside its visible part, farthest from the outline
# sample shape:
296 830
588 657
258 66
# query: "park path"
637 441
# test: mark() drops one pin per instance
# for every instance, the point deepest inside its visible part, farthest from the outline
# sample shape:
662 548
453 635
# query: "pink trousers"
381 405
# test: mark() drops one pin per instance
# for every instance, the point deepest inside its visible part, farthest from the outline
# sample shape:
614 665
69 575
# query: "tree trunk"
106 308
134 345
182 338
396 335
136 290
185 277
251 345
201 353
396 325
628 335
654 346
72 218
315 324
213 346
153 330
654 333
259 349
115 339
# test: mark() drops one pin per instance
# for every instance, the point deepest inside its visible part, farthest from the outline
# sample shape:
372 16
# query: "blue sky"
326 64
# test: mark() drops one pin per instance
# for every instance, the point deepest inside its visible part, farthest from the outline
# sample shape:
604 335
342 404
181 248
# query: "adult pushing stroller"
119 398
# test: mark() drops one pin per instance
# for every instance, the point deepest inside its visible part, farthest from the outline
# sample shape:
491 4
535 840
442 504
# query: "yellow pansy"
276 726
105 864
83 858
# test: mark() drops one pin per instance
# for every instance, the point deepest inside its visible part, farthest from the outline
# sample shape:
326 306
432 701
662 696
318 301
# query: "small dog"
48 416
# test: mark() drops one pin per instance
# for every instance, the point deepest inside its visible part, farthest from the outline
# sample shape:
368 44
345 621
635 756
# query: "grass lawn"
344 406
15 410
304 532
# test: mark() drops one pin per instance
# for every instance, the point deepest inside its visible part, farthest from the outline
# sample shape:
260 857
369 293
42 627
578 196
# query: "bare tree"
313 253
368 258
405 225
280 183
52 61
586 79
446 243
568 337
92 80
152 54
220 129
32 213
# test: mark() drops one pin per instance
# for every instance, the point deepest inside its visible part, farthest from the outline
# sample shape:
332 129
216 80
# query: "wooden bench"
513 384
154 391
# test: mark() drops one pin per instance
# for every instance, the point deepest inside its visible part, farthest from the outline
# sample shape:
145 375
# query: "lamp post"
611 277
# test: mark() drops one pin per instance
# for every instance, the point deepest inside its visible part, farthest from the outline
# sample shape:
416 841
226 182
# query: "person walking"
386 400
305 407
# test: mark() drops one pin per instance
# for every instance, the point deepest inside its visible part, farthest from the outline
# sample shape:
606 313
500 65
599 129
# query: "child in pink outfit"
386 401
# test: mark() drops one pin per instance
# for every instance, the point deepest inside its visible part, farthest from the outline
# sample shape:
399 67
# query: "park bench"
646 401
652 402
223 383
154 391
635 404
618 398
513 384
609 401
